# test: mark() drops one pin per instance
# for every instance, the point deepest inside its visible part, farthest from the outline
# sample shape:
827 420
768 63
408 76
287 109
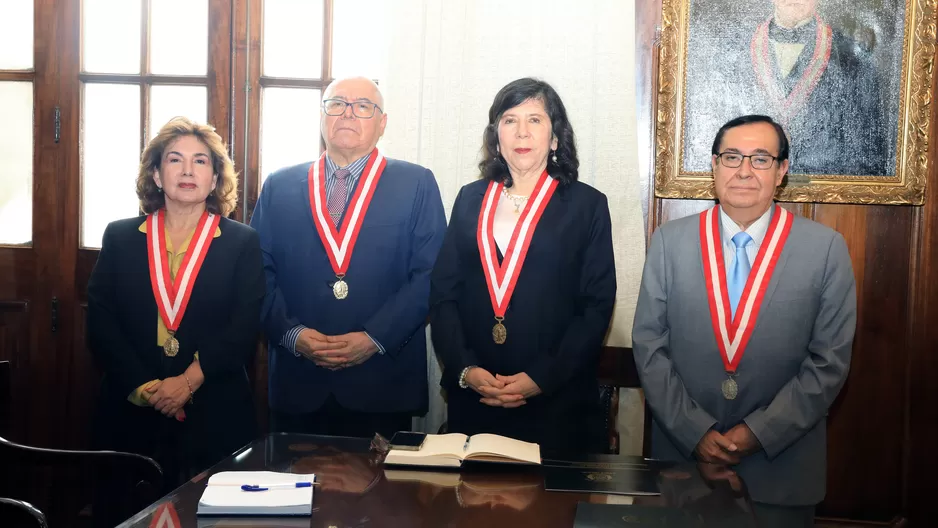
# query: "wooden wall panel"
921 395
83 380
14 347
878 238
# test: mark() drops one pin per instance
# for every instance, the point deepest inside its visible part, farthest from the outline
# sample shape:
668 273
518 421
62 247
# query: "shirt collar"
143 229
355 168
757 230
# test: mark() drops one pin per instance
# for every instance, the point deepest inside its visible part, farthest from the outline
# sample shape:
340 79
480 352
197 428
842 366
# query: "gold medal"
171 346
730 389
499 332
340 288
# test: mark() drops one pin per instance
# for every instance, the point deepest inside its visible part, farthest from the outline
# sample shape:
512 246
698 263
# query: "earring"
554 155
498 149
159 189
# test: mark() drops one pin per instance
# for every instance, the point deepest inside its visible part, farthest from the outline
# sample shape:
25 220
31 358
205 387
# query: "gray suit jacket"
794 366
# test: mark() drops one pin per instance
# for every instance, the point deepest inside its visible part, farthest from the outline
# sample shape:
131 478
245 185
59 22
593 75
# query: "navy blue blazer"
388 279
556 320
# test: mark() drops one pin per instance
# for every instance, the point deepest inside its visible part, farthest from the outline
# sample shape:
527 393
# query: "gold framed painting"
849 80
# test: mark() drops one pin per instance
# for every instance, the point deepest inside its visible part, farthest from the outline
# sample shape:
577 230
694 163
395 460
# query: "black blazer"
558 314
221 322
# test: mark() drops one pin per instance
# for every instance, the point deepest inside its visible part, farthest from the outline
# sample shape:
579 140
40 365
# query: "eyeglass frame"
349 104
743 159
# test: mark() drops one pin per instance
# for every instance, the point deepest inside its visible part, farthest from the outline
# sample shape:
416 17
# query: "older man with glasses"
348 241
743 330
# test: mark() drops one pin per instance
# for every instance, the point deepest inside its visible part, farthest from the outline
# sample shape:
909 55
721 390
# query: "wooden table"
357 491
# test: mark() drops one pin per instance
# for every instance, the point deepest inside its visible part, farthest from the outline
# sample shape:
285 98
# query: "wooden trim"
130 78
247 53
288 82
219 85
144 69
327 14
14 75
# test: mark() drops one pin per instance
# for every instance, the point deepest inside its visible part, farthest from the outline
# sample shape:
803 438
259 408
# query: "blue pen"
265 487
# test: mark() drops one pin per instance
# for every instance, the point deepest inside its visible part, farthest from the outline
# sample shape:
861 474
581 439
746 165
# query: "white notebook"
223 494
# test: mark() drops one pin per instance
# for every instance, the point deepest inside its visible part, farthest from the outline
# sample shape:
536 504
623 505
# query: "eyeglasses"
362 109
733 160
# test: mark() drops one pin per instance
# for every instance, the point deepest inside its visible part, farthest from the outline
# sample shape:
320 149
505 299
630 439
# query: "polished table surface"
357 491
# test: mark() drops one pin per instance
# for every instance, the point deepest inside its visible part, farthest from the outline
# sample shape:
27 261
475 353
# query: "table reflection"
357 491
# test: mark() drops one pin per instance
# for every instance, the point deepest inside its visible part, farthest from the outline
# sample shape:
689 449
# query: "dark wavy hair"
747 120
493 166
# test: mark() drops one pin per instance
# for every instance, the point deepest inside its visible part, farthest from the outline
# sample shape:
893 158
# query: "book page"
447 446
482 446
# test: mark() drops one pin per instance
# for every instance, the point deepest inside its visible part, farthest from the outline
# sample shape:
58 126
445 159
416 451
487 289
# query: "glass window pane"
16 162
110 156
356 52
169 54
289 127
16 35
111 36
293 38
167 102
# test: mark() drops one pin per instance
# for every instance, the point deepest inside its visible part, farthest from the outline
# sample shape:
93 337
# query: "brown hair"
222 199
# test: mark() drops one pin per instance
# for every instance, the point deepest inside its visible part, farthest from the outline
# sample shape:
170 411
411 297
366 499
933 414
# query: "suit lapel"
776 276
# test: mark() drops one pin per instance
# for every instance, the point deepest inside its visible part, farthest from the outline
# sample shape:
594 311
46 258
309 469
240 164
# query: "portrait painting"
848 80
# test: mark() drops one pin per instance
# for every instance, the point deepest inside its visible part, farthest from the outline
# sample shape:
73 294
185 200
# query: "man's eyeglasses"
733 160
362 109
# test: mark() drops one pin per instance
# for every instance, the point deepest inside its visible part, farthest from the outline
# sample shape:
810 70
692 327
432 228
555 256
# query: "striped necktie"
339 196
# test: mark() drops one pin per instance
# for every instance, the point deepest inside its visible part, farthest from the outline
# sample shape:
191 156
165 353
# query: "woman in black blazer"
524 285
174 308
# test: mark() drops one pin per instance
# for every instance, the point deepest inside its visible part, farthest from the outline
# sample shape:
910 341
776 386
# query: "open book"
223 494
450 450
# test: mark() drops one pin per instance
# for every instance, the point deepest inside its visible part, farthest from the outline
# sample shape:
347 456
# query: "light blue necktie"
740 273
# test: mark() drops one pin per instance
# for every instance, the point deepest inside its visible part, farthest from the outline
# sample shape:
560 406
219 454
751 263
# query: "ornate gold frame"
906 187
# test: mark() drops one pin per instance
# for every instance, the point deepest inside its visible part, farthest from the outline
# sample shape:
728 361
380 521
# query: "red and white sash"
733 336
788 106
501 278
340 243
172 297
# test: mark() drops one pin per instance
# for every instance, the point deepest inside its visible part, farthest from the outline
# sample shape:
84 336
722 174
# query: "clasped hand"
169 396
335 352
728 448
502 391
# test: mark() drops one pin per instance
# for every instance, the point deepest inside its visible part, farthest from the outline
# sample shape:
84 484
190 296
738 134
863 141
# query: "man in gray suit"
744 327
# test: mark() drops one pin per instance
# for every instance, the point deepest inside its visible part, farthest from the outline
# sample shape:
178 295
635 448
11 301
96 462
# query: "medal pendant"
730 389
499 333
171 347
340 289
